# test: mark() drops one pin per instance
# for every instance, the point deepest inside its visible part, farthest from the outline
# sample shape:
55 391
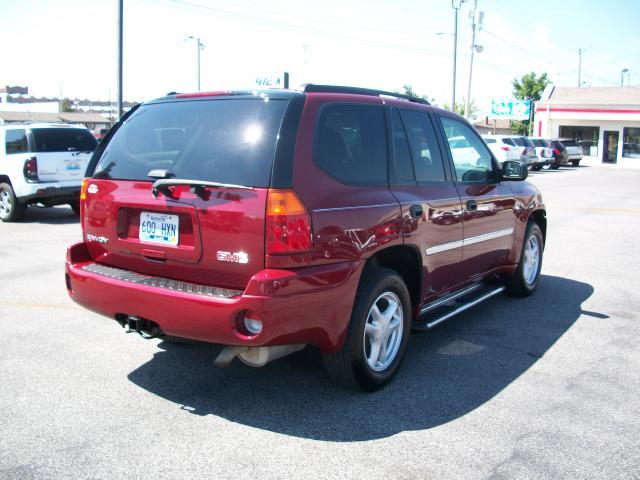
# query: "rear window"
526 141
518 141
351 144
508 141
226 141
489 140
537 142
557 144
63 140
569 143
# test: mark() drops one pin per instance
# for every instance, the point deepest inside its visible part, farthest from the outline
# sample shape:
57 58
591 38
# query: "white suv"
502 147
42 163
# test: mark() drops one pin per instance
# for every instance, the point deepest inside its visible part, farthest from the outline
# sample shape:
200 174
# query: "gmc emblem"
235 257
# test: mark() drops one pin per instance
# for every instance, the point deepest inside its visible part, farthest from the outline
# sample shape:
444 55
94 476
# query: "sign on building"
275 80
511 109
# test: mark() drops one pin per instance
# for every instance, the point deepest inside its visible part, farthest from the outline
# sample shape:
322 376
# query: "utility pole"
120 13
473 48
199 47
580 50
456 4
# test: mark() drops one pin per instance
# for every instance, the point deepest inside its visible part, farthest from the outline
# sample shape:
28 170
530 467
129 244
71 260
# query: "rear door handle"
415 211
472 206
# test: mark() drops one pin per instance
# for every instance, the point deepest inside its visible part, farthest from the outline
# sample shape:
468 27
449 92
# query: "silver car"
574 151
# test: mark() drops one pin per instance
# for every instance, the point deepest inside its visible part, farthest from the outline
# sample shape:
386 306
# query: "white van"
42 163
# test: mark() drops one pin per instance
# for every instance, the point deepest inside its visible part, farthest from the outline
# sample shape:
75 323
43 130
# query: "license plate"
159 228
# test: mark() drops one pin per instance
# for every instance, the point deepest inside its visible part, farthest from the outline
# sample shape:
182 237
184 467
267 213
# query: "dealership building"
605 121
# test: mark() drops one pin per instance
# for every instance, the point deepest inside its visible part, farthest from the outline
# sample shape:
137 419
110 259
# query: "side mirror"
514 171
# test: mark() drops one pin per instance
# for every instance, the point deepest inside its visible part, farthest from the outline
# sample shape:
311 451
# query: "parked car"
528 153
544 151
574 151
42 163
560 156
503 147
266 221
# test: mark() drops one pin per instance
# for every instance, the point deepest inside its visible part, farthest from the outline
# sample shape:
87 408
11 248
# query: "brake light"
288 223
30 169
505 148
556 151
83 188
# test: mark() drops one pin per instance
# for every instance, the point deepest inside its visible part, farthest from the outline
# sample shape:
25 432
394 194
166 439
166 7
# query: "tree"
473 108
408 90
66 105
530 86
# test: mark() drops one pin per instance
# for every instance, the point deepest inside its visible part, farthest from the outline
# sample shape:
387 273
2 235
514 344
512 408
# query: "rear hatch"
206 224
572 147
62 153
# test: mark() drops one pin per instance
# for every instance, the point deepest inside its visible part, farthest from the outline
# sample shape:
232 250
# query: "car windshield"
63 140
222 140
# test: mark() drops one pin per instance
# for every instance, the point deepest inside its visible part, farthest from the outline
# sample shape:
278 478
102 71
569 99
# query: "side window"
350 144
403 164
508 141
471 157
424 147
16 141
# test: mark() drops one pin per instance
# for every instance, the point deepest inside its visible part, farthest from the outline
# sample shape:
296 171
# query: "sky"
68 47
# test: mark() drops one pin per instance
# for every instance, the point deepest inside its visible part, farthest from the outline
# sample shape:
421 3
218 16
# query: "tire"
11 209
75 206
536 168
555 166
357 365
575 163
525 279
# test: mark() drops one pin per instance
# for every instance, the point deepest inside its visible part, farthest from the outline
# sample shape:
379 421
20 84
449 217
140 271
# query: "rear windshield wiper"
199 187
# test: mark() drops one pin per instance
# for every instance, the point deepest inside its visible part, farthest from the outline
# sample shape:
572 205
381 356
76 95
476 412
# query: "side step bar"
428 324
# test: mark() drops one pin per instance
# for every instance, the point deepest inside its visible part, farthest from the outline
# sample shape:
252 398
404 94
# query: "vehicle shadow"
50 215
447 373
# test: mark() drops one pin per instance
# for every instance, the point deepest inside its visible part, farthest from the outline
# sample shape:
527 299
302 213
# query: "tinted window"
518 141
63 140
16 141
557 144
508 141
424 147
537 142
569 143
402 158
471 158
350 144
227 141
526 141
489 140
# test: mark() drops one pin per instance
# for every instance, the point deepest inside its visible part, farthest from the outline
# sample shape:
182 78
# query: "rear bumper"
49 193
575 156
303 306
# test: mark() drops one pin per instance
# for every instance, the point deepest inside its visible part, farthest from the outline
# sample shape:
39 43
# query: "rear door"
211 236
62 152
488 205
431 210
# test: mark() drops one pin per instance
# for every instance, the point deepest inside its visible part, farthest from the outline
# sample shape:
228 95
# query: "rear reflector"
288 223
83 188
30 169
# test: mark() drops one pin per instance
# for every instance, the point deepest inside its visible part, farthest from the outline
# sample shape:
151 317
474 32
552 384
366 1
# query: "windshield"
63 140
226 141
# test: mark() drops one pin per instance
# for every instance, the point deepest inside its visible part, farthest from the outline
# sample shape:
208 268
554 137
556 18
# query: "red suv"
265 221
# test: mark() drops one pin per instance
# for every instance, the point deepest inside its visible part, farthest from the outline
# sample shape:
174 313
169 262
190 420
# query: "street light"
477 20
456 5
199 46
622 72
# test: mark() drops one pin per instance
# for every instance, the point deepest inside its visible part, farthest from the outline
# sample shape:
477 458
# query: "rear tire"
555 166
11 209
75 206
525 279
575 163
377 334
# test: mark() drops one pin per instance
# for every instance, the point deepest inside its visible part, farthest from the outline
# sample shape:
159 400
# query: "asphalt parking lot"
545 387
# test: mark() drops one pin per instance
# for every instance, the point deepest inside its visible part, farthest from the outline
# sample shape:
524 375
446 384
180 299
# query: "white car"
42 163
502 147
544 152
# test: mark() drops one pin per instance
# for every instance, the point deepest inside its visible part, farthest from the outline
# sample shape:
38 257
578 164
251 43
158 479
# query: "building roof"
593 95
69 117
498 123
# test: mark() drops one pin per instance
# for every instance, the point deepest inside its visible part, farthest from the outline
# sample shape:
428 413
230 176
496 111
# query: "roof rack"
309 87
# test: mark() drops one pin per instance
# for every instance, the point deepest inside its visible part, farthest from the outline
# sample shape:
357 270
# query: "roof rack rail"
309 87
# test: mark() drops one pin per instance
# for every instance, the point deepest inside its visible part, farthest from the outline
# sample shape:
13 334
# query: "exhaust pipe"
254 356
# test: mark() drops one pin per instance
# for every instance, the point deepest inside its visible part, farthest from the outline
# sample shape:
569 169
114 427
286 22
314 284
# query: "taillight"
524 151
30 169
83 189
288 223
556 151
505 148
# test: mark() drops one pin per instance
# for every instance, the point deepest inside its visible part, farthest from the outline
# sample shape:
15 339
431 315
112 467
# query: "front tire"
377 334
525 279
11 209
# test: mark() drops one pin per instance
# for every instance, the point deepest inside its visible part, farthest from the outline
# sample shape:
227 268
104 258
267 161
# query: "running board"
432 322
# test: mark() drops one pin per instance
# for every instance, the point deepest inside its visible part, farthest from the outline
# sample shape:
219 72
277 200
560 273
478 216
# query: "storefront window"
631 142
586 137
